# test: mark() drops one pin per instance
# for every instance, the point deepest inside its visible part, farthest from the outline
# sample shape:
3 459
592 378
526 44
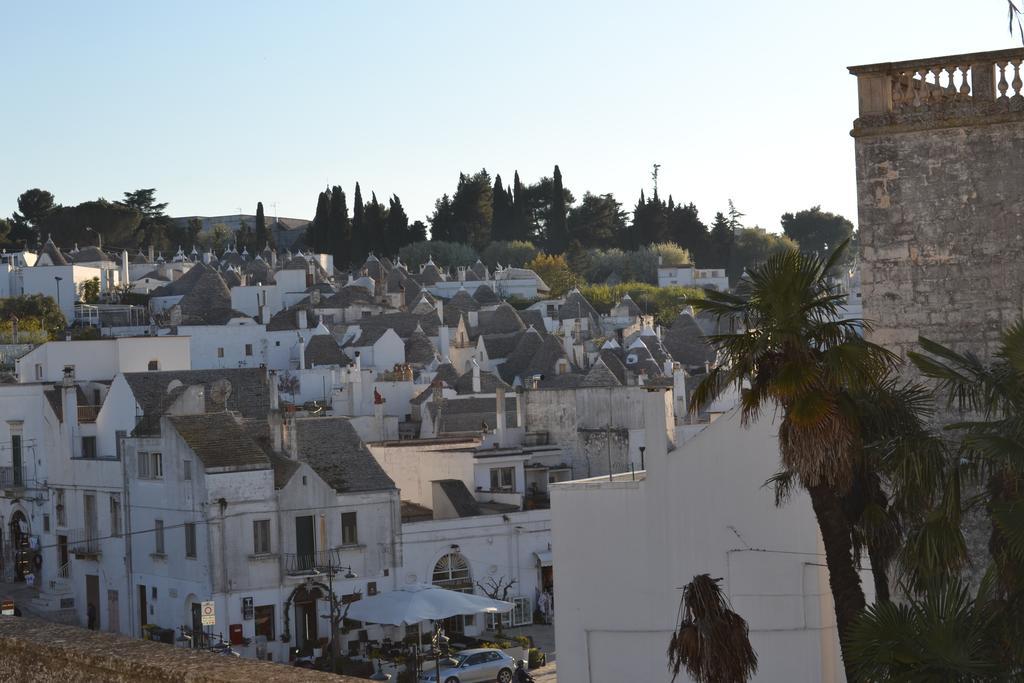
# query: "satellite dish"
220 391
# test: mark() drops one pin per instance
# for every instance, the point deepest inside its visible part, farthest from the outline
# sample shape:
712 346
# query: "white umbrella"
421 602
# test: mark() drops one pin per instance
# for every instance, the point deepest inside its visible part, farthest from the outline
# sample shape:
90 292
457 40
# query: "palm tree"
794 353
712 641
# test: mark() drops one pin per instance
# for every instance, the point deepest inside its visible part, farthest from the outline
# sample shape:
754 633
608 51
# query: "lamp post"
99 235
58 278
331 570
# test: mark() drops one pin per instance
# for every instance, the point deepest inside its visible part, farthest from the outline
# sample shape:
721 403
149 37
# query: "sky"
222 104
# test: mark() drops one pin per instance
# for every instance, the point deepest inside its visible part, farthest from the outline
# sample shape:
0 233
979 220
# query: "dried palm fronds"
712 641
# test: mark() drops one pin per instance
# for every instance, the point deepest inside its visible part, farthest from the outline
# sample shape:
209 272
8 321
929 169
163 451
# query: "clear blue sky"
221 104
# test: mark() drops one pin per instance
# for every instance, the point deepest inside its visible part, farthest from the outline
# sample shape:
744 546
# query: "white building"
688 275
625 545
102 359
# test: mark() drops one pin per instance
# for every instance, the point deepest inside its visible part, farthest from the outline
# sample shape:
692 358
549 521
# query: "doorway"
143 617
62 551
92 601
305 543
198 635
20 545
306 619
113 612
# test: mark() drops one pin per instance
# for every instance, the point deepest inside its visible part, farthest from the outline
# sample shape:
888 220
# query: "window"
261 537
190 539
153 593
452 572
46 522
186 469
88 446
39 371
61 509
503 478
16 459
220 352
265 621
158 529
151 466
349 531
248 349
520 615
153 365
115 515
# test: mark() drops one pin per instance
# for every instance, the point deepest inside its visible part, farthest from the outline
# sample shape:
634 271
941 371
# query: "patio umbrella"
421 602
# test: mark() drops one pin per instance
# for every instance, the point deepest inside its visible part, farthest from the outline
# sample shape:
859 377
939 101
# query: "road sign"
7 608
209 616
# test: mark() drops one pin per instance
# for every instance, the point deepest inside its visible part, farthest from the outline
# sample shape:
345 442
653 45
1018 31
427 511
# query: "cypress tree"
557 227
340 238
520 219
397 226
375 226
441 220
721 241
360 246
316 233
501 227
262 235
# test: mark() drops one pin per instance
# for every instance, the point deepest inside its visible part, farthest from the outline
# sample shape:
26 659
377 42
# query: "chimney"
301 318
69 406
356 380
476 377
150 254
443 343
499 415
302 351
126 277
440 309
520 409
655 430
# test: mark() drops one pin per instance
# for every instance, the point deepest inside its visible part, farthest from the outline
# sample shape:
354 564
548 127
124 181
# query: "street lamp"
99 235
58 278
330 570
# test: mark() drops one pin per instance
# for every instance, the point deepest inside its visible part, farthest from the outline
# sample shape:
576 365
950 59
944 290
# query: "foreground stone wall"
34 650
940 194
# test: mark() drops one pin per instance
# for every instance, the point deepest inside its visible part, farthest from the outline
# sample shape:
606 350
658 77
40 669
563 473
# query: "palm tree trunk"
842 573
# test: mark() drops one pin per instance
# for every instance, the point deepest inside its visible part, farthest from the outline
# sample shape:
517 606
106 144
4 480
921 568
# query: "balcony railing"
307 564
956 82
12 477
84 541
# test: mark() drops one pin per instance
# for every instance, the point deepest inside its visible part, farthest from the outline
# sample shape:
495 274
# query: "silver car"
473 666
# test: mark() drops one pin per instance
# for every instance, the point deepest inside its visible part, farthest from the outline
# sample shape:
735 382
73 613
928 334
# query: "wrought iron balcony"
84 542
313 563
12 477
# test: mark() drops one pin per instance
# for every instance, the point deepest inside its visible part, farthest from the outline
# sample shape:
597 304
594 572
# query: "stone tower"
940 193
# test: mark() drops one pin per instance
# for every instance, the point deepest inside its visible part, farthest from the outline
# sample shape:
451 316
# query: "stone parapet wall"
35 650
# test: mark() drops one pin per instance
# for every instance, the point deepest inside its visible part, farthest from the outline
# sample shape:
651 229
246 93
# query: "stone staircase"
55 600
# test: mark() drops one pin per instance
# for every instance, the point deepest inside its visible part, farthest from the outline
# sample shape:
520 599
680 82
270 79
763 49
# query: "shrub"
444 254
555 272
515 254
535 658
664 303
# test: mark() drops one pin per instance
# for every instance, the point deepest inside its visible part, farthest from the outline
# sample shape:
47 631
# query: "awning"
544 558
418 602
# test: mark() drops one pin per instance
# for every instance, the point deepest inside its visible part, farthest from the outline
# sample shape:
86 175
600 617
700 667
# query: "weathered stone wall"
34 650
941 217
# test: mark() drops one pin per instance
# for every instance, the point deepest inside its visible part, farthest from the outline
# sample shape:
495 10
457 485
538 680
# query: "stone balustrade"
920 92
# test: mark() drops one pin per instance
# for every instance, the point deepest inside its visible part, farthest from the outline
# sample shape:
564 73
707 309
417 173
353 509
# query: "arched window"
452 572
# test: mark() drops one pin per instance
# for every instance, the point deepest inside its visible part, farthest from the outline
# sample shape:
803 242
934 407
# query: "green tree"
557 237
35 307
522 226
154 225
375 220
721 238
417 232
751 246
261 233
217 239
89 291
339 227
815 230
555 272
687 230
360 241
796 357
650 221
515 254
397 226
503 226
734 217
444 254
442 220
245 238
5 229
117 223
472 209
317 230
597 222
193 229
33 206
